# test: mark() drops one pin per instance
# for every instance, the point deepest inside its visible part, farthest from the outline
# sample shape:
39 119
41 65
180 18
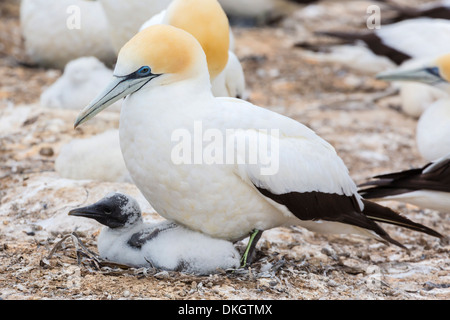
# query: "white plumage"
84 159
355 57
416 97
172 106
231 81
251 8
390 45
77 85
435 200
126 239
94 158
228 83
433 129
53 38
238 206
412 37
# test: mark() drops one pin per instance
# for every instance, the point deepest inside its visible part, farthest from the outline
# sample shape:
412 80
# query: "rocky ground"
41 258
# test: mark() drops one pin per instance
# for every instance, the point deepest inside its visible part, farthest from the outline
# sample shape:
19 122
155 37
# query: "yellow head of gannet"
158 55
208 23
436 73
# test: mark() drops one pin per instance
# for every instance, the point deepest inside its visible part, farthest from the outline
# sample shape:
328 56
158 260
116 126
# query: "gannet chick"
77 85
95 158
56 32
126 239
163 74
208 23
426 187
433 129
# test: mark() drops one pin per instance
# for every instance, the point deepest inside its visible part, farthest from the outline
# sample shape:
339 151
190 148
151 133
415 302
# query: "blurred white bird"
56 32
125 17
127 240
433 127
417 97
93 158
206 20
386 47
77 85
436 9
426 187
163 74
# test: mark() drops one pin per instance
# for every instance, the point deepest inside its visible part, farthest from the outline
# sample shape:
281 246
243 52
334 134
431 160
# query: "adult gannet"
56 32
300 179
208 23
436 9
206 20
426 187
126 239
404 40
433 127
415 97
385 48
255 12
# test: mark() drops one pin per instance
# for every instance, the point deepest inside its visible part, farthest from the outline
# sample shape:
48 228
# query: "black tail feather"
383 214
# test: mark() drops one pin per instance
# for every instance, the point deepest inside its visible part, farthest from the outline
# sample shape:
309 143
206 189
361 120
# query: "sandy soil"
343 106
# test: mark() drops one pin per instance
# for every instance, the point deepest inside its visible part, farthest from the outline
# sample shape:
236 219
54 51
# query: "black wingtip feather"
383 214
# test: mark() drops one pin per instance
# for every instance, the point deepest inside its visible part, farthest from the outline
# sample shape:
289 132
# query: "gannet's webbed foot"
248 255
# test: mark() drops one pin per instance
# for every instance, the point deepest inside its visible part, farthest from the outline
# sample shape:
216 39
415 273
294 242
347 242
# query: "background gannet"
126 239
77 85
433 127
426 187
436 9
415 97
163 74
123 29
93 158
404 40
386 47
125 17
208 23
259 10
51 40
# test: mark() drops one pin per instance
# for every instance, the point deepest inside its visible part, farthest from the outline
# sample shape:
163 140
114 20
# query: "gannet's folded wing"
301 175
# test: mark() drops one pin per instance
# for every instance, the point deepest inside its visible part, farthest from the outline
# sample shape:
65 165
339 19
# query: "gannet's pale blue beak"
430 75
118 88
